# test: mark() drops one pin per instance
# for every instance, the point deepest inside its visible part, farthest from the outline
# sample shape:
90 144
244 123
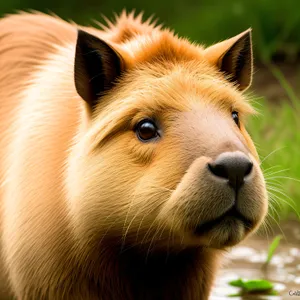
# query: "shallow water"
245 261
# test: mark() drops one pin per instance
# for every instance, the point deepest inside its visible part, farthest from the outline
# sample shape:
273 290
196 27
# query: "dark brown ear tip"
246 35
246 38
97 66
81 34
85 38
81 39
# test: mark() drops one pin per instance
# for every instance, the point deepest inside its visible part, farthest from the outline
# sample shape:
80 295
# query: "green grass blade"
285 84
272 248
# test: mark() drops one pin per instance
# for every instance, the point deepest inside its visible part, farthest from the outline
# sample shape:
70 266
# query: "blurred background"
275 91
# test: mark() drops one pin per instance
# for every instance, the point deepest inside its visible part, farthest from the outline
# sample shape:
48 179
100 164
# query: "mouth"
232 214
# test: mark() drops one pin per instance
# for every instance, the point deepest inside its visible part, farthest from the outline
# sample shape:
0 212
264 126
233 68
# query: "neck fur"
135 274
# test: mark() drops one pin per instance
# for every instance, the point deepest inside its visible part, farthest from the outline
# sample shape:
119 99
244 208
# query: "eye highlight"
146 130
235 117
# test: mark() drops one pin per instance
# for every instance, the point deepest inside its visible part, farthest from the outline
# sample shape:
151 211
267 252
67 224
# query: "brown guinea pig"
125 166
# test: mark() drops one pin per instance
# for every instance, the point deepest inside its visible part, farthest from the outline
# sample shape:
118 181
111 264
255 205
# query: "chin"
225 231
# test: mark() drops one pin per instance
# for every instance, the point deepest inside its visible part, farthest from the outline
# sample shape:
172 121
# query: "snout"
231 167
219 201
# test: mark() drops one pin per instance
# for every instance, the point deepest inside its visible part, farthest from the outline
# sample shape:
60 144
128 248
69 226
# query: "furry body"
80 195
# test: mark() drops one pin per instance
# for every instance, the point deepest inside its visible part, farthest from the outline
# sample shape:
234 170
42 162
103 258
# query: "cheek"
250 143
254 198
105 183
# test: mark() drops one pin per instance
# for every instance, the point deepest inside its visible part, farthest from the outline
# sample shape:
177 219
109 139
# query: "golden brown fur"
89 212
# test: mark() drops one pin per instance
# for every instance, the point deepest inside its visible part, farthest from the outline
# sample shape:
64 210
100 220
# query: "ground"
246 260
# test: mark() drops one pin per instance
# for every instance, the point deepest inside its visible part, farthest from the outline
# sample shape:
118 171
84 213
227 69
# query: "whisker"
275 172
274 189
270 168
274 209
286 202
285 177
274 151
276 222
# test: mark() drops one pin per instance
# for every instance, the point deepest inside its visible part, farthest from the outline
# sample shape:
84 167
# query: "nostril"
249 168
218 170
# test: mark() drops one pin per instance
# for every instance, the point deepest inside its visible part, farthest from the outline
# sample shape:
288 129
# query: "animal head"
165 159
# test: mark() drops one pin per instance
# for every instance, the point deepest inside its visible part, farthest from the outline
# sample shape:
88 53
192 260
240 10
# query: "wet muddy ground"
245 261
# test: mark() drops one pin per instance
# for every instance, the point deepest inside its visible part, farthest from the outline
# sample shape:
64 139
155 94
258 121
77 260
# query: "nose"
233 166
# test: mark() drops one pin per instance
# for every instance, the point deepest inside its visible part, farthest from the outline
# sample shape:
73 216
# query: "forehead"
164 71
162 89
179 86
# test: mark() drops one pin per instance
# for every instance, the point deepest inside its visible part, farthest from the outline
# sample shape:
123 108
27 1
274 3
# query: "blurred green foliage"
275 23
276 133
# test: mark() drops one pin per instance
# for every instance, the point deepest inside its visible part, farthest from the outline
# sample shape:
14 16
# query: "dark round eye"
146 130
235 117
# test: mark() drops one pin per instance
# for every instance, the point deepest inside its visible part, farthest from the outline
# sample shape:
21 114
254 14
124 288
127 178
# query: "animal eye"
235 117
146 130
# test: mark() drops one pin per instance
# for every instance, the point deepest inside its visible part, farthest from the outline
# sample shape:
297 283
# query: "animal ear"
234 58
97 65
